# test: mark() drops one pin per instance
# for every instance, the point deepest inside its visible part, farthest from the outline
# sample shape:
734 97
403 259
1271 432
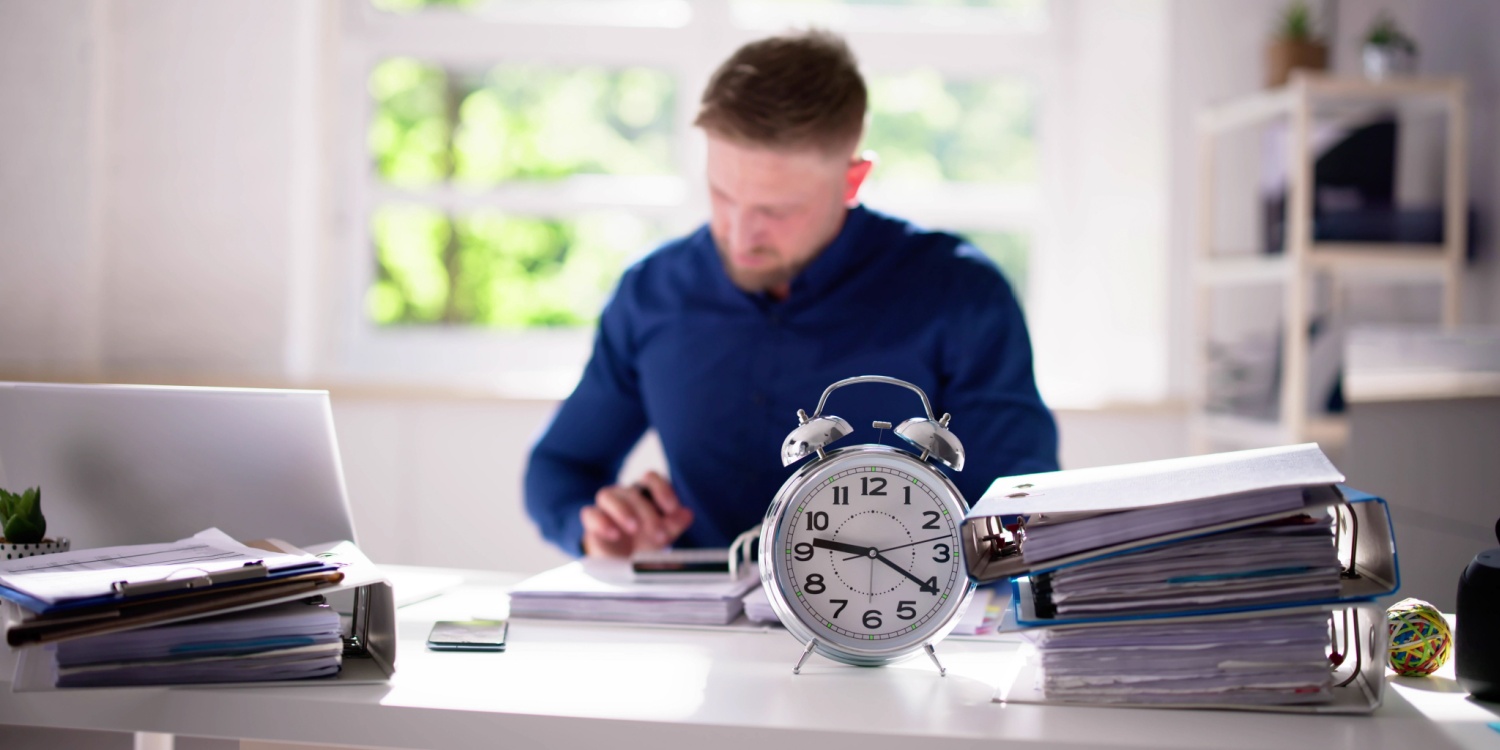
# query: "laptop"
123 464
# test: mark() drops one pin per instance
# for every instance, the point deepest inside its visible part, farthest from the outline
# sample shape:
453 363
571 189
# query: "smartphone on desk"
468 635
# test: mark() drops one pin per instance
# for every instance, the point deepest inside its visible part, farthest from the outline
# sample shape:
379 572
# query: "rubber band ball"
1420 638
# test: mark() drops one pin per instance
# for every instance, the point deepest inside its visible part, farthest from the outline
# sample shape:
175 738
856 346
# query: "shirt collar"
841 256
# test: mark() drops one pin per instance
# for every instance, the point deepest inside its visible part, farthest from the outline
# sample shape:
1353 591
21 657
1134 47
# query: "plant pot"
16 551
1286 55
1382 61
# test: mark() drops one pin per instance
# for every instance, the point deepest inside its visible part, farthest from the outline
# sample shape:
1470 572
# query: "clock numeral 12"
865 483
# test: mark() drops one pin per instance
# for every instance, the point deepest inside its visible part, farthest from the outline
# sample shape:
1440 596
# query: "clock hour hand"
853 549
921 584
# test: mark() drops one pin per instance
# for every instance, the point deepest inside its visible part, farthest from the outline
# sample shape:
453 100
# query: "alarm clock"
860 552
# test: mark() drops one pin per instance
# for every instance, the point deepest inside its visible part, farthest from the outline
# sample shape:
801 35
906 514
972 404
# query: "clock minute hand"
921 584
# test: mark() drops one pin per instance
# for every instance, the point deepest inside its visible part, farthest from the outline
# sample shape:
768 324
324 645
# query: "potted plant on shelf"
1294 45
23 528
1388 51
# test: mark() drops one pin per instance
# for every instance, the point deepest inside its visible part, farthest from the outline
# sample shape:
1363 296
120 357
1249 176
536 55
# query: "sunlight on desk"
642 681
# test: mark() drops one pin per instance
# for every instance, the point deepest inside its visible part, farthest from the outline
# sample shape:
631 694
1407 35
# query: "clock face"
867 551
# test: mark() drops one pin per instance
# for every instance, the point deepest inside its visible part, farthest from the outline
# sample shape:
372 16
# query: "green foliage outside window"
497 270
519 124
926 129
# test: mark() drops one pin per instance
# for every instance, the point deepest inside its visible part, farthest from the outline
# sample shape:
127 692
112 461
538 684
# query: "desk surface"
578 685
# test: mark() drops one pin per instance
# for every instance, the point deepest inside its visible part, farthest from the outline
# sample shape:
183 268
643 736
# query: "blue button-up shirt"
720 373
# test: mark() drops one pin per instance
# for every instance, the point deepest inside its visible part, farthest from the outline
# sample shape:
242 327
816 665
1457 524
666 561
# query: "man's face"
774 211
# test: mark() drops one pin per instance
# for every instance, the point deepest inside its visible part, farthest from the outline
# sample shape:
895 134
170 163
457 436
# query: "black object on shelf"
1354 197
1476 646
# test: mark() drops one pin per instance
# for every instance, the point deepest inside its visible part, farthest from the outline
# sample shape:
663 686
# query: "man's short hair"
787 92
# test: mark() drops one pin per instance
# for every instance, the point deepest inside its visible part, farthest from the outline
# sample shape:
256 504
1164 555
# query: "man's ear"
859 169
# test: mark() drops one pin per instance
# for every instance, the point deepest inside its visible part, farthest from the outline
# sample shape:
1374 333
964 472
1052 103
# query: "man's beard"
757 280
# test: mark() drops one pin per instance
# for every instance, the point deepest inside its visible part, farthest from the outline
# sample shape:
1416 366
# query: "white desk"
589 685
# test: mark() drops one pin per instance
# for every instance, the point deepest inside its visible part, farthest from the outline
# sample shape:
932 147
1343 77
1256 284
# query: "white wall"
160 172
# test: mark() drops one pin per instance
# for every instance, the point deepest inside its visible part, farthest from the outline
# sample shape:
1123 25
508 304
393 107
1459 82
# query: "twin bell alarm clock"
860 552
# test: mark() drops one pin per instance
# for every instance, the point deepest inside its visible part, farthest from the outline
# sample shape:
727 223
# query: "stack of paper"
1289 560
606 590
1274 660
282 642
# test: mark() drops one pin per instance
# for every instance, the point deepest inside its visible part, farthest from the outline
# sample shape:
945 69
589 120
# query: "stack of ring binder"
1237 580
201 610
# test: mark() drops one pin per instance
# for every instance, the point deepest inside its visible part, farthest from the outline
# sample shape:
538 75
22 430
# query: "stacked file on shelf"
290 641
597 589
1223 581
206 609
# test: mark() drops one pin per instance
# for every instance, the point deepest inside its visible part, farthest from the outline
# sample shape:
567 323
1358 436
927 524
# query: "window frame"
545 363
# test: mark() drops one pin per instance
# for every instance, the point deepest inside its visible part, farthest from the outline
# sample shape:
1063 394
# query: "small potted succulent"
1294 45
1388 51
23 528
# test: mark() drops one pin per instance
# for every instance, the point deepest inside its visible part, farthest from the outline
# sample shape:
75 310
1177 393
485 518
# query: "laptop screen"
139 464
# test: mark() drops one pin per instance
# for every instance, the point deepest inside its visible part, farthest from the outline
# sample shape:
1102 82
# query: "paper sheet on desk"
93 572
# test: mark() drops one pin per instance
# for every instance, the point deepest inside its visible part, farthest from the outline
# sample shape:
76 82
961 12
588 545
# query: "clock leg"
805 653
942 670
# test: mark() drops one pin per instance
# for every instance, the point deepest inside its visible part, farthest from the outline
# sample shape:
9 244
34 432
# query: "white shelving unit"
1303 262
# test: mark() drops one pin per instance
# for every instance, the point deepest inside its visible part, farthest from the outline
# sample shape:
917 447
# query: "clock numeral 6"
842 603
906 610
804 551
814 584
872 619
818 521
941 550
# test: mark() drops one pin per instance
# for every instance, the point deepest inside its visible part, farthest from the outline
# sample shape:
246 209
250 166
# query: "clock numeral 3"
941 549
872 619
840 495
818 521
906 610
842 603
932 519
814 584
865 483
804 551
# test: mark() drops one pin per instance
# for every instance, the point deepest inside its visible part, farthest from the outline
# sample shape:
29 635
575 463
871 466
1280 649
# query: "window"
516 155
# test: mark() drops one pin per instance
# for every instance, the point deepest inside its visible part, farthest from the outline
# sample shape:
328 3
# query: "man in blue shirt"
716 339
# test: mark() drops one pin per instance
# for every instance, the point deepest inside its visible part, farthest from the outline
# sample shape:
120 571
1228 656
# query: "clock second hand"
901 546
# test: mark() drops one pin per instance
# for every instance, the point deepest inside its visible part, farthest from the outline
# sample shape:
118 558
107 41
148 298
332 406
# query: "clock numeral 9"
872 619
842 603
818 521
906 610
814 584
840 495
804 551
941 550
865 483
932 519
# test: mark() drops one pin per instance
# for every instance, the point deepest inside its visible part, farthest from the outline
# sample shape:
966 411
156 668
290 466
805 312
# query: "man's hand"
627 519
